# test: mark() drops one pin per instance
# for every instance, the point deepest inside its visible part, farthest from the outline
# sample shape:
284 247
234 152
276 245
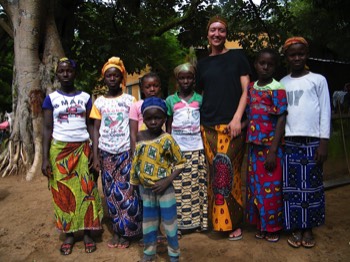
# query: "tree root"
11 159
35 168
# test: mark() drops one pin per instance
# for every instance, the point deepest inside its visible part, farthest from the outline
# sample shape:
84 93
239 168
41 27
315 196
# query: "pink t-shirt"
135 114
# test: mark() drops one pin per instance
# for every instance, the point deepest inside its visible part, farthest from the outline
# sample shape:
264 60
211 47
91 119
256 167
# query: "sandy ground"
27 233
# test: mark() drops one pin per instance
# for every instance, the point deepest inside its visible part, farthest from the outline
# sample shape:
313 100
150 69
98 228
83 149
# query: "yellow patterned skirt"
225 157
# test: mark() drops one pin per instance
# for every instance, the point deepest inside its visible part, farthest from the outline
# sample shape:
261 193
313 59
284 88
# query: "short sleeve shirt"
154 159
114 115
69 115
264 105
186 121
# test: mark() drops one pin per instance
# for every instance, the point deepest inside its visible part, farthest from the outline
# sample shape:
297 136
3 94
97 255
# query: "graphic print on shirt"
294 97
111 122
73 110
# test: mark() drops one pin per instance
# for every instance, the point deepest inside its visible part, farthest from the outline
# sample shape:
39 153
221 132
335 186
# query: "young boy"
156 155
306 134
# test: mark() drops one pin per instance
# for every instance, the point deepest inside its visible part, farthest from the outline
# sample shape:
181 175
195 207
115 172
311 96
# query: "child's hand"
46 168
321 152
161 185
270 163
96 164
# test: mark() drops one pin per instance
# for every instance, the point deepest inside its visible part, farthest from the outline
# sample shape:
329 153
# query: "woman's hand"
234 128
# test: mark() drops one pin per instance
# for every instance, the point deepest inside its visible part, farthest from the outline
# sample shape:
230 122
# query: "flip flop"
114 242
260 234
308 240
162 239
66 249
295 239
179 234
272 236
123 243
234 237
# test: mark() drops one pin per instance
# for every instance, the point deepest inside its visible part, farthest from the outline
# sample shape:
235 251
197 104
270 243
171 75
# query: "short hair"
148 75
275 55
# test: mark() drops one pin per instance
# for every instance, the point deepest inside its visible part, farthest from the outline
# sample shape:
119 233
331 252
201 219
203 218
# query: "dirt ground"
27 233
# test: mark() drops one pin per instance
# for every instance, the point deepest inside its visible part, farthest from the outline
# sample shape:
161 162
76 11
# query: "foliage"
127 30
159 33
332 18
6 58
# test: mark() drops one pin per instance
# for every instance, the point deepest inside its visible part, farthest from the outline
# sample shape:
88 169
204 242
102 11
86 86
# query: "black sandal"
260 234
272 236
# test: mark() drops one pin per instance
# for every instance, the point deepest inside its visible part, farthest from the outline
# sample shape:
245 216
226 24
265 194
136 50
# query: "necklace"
65 101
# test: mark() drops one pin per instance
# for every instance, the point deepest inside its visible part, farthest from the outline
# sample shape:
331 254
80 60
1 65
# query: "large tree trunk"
37 47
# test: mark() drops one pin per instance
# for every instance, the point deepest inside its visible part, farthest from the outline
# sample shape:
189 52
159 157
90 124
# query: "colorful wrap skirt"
191 192
76 200
264 205
303 192
124 204
225 158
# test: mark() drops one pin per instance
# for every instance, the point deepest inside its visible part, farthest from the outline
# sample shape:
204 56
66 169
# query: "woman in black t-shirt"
223 78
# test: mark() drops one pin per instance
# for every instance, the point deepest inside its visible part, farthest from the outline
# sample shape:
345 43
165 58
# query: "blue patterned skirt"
124 204
303 192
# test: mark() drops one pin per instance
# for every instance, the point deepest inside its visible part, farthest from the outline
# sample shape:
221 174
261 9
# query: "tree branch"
7 28
179 20
256 12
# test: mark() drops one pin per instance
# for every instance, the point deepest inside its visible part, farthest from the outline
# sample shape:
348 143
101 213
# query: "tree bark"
37 47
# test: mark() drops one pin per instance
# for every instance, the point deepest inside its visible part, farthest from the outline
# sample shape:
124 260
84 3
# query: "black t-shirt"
219 79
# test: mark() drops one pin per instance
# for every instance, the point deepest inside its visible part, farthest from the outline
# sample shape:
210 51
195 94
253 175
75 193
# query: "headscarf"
66 60
294 40
186 67
153 102
219 19
116 62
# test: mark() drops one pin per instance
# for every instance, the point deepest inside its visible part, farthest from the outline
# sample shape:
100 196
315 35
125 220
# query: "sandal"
272 236
308 240
67 245
295 239
260 234
66 248
234 237
179 234
114 242
90 247
141 243
162 239
123 243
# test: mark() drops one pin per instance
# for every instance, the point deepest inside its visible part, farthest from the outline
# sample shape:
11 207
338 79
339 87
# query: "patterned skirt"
303 192
264 205
225 158
191 192
124 204
76 201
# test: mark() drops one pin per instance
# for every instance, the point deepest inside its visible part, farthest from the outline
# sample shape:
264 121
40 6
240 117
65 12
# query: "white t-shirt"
186 121
114 116
309 110
69 115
